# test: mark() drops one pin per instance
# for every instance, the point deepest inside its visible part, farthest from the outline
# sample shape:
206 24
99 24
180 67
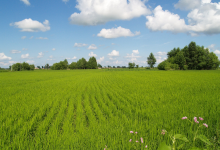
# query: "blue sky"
114 31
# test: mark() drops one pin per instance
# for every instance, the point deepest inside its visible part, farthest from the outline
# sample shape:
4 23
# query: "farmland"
88 109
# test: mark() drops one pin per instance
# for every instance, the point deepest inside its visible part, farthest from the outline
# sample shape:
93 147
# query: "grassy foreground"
88 109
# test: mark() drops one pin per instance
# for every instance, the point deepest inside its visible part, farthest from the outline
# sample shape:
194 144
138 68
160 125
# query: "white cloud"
204 19
4 57
160 53
53 49
165 20
24 49
135 51
133 57
184 4
42 38
79 45
15 51
25 55
113 53
212 46
113 43
23 37
31 37
217 52
94 12
41 54
26 2
116 32
72 58
117 62
100 59
92 47
30 61
160 59
65 1
7 64
29 25
91 54
51 56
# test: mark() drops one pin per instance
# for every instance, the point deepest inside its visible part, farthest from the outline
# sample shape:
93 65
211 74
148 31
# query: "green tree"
32 67
92 63
131 65
25 66
180 59
47 66
100 66
151 60
137 66
73 65
81 63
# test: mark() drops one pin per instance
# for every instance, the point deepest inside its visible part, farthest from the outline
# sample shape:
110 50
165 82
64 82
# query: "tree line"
22 67
80 64
192 57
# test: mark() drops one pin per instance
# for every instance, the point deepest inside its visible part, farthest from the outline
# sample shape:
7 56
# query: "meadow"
88 109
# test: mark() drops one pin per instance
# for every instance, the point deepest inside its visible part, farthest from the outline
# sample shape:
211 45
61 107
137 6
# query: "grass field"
88 109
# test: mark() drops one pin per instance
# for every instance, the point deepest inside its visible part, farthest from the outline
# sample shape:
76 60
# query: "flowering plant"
183 138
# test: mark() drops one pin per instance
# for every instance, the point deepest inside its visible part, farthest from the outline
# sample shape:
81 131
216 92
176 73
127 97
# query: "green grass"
88 109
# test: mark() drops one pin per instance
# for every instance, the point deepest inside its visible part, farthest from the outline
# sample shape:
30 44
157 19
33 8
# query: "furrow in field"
21 128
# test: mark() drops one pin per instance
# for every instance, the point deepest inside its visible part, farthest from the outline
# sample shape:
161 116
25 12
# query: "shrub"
174 66
185 67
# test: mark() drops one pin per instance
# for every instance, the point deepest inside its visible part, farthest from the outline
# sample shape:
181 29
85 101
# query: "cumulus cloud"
41 54
15 51
7 64
23 37
135 51
30 61
80 45
204 19
65 1
116 32
92 47
165 20
113 53
95 12
53 49
212 46
184 4
29 25
91 54
160 59
160 53
31 37
25 55
42 38
133 56
4 57
72 58
217 52
24 49
26 2
100 59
